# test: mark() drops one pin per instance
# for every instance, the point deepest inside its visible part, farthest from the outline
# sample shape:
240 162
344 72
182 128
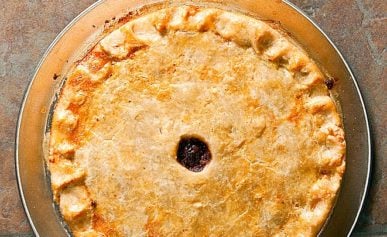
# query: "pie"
196 121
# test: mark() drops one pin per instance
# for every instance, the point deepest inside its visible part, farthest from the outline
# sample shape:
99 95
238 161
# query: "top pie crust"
249 91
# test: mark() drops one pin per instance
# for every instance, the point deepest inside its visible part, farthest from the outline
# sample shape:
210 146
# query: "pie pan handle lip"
34 189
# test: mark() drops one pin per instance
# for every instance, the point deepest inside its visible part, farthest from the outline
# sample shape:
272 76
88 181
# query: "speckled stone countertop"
358 27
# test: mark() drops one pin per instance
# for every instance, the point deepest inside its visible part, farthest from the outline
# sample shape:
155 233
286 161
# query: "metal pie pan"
85 30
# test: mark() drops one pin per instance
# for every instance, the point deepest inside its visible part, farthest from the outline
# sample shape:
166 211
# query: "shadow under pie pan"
86 29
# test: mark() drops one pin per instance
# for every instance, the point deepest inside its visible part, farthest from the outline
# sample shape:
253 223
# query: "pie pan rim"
21 143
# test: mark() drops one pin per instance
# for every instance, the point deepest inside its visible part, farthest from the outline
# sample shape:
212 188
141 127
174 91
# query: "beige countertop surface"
357 27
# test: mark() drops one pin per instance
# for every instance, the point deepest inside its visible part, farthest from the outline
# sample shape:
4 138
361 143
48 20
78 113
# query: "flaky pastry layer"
254 96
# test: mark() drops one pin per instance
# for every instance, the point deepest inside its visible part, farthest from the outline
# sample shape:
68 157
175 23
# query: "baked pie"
195 121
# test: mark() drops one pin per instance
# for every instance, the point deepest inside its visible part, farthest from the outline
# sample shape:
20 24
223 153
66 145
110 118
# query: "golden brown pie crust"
250 92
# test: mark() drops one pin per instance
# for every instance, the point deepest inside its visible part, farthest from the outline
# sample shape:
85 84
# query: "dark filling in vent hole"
193 153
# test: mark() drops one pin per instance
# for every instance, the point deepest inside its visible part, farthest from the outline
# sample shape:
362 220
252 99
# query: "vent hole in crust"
193 153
